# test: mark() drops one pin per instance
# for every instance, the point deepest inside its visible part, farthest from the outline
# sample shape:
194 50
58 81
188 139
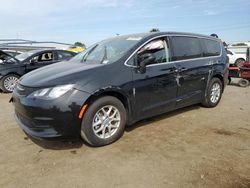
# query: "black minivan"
118 82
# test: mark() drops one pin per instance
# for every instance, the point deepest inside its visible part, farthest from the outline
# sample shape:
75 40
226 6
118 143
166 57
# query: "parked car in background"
76 49
13 52
12 68
236 59
118 82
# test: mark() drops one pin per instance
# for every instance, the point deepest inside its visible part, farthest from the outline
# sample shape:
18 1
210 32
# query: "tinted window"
158 48
212 48
186 48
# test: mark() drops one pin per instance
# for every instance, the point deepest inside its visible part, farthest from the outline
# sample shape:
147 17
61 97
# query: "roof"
155 34
186 34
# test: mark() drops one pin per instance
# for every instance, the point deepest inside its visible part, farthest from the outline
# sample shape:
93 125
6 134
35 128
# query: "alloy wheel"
10 82
106 122
215 93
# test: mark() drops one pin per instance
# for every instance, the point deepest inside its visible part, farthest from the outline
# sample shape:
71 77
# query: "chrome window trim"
172 35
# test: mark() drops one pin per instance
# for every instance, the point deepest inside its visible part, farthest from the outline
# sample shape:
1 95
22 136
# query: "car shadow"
57 144
76 143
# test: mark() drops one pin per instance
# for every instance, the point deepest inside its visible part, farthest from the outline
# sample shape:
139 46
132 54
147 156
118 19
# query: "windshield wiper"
87 54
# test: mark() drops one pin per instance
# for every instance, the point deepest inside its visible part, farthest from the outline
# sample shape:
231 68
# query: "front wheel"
8 83
213 93
104 121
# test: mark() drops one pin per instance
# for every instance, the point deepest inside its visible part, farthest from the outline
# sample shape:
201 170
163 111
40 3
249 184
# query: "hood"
59 74
7 60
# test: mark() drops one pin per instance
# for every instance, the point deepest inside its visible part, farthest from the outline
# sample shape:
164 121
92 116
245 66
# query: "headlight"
51 93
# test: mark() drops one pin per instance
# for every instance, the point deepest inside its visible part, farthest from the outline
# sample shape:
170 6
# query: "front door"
155 88
40 60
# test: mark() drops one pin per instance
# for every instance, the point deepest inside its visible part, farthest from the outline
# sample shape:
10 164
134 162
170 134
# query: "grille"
30 123
24 120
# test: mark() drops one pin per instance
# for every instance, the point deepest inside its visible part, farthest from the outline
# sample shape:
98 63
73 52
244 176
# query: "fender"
118 93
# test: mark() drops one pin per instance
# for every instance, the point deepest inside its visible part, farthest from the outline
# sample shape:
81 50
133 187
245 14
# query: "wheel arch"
240 58
115 92
219 76
11 73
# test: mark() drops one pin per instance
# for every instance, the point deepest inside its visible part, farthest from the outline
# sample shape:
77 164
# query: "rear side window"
211 47
186 48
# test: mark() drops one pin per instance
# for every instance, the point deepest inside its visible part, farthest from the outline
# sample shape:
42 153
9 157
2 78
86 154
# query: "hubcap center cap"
106 121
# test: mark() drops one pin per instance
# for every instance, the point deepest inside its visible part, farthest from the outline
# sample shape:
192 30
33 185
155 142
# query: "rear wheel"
213 93
243 82
229 80
8 83
104 121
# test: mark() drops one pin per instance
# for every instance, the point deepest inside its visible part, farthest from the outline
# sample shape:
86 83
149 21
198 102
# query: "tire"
239 62
110 128
229 81
8 83
243 82
213 93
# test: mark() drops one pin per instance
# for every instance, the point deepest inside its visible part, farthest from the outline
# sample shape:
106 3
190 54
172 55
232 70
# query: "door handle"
174 70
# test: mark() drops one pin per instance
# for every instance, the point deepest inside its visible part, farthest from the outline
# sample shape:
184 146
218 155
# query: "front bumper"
50 118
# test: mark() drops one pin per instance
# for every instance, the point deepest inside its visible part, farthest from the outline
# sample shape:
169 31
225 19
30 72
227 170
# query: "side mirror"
144 60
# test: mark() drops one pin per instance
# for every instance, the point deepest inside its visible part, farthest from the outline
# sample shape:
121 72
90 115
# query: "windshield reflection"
107 51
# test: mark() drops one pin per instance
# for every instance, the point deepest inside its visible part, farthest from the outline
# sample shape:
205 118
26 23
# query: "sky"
90 21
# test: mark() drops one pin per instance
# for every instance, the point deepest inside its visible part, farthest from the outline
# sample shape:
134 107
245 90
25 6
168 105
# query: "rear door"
155 89
193 70
40 60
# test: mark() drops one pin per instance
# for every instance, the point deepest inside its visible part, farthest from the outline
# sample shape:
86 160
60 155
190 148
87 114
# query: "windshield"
24 56
107 51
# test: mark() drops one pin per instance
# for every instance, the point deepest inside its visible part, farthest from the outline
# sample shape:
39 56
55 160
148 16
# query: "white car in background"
236 59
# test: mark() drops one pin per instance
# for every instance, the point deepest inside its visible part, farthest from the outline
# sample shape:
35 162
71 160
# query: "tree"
80 44
240 44
155 30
